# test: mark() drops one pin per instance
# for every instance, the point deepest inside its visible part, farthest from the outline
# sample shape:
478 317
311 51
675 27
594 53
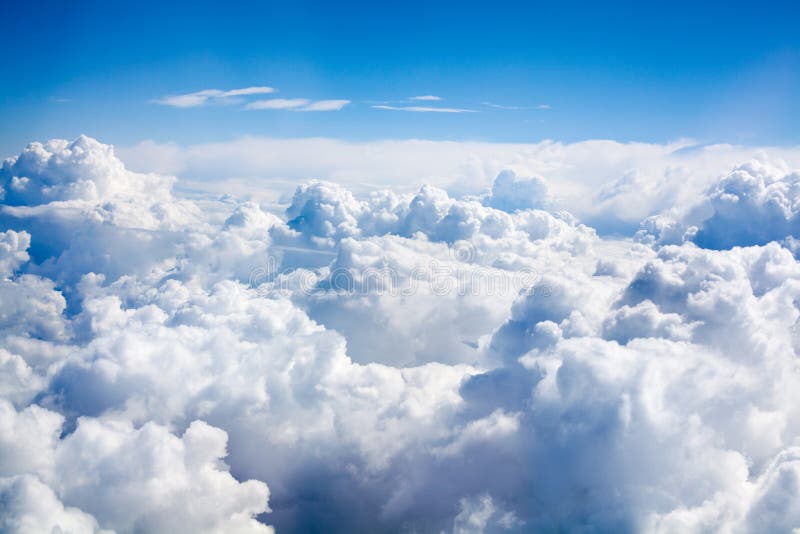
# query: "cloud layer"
395 360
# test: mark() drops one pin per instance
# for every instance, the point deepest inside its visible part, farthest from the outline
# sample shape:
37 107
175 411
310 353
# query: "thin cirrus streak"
423 109
297 104
199 98
236 96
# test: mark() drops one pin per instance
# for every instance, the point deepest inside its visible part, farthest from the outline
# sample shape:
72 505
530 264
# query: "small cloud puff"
511 193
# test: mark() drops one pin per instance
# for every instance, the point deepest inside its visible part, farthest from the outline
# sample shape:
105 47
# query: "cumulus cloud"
610 185
28 505
13 251
399 359
510 193
127 479
753 205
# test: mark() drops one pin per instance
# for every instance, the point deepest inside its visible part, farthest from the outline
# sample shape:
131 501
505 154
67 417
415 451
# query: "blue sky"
713 72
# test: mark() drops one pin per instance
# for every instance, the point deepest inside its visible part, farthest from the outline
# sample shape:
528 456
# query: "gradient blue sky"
642 71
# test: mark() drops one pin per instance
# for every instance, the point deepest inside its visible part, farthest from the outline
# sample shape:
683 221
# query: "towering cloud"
753 205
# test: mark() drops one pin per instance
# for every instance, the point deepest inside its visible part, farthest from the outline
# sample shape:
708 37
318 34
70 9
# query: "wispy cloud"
326 105
235 96
425 109
298 104
248 91
426 97
499 106
199 98
278 103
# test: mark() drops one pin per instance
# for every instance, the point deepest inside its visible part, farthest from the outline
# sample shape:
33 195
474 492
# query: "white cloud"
28 505
512 193
199 98
158 373
755 204
298 104
423 109
13 251
500 106
278 103
326 105
611 185
247 91
430 98
150 479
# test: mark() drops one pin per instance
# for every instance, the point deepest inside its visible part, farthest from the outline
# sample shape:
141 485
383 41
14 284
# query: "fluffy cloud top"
753 205
79 170
510 193
393 360
610 185
13 251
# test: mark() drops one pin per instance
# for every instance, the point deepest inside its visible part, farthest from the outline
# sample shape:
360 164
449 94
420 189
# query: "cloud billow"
148 381
753 205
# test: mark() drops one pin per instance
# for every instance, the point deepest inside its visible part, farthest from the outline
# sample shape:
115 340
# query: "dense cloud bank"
392 362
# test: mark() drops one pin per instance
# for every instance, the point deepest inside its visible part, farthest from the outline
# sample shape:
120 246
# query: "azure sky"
500 71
